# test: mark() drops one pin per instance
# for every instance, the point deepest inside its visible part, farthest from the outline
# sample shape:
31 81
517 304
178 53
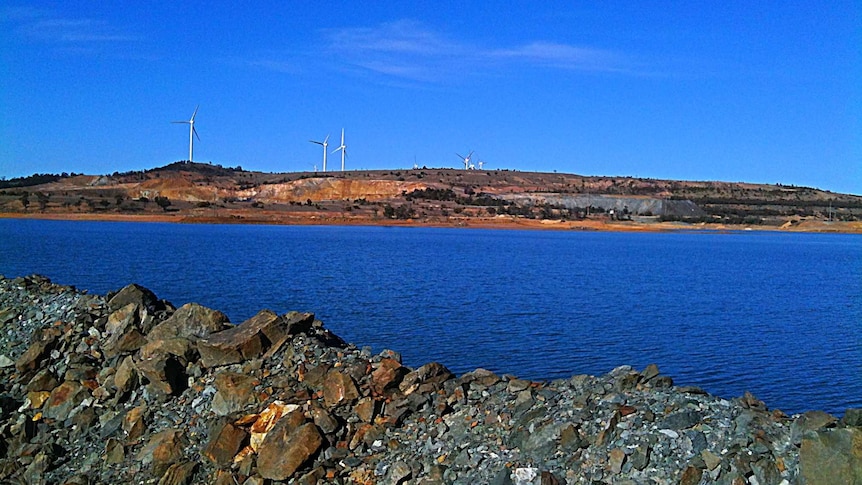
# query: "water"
776 314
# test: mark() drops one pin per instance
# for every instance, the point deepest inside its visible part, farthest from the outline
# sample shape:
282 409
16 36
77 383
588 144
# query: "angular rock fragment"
286 449
251 338
166 375
832 456
124 334
178 474
179 334
163 450
269 417
225 443
387 376
63 400
234 392
339 388
132 294
43 341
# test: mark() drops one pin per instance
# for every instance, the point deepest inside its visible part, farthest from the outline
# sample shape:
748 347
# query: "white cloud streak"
41 26
408 50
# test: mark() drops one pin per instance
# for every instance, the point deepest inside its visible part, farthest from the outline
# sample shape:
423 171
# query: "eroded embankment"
127 389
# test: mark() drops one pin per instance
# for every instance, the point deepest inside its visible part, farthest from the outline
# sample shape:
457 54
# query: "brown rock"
234 392
43 341
123 331
163 450
178 334
44 380
126 377
433 373
285 450
691 476
710 459
122 317
37 398
223 477
114 451
166 375
315 376
339 388
269 417
245 341
616 458
179 474
63 400
365 409
134 424
226 441
651 372
324 420
750 402
132 294
832 456
388 375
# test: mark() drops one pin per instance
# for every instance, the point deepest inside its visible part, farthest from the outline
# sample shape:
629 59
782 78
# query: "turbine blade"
319 143
195 131
184 122
195 113
459 156
326 140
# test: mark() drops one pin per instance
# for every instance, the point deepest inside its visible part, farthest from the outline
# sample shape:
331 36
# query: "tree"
163 202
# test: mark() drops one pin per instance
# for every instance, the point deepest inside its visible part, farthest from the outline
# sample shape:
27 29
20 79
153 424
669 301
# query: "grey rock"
682 420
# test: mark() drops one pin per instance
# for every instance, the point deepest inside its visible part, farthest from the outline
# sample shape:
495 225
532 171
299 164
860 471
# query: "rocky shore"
126 388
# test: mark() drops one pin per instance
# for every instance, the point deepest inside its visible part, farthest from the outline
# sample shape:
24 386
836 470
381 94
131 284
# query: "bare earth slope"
194 192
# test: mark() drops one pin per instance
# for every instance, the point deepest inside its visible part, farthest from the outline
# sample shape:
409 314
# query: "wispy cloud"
562 56
408 50
42 26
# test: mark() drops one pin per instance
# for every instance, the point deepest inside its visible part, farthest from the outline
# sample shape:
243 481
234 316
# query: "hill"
197 192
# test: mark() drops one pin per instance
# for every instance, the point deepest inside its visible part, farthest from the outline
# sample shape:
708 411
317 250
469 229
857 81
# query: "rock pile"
126 388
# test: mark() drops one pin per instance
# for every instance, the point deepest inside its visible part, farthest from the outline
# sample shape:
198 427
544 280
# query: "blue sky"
737 91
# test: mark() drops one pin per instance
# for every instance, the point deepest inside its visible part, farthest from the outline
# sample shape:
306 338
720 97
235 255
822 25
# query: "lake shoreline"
497 223
138 388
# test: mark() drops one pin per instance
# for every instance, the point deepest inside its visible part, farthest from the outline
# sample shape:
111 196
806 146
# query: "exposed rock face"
325 188
632 204
279 399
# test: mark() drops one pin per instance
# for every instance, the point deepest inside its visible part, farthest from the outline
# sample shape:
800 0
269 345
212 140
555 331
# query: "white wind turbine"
343 149
466 159
192 131
324 144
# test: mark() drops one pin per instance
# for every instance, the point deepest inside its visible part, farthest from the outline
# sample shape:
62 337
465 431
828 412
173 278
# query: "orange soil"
281 218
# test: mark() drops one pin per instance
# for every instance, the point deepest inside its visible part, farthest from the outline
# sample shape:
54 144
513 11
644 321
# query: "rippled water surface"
776 314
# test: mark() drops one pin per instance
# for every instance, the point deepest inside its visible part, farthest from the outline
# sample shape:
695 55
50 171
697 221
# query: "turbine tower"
343 149
324 144
466 159
192 131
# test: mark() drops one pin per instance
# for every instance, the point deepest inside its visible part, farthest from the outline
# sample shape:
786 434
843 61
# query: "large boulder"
133 293
263 332
179 334
288 446
832 456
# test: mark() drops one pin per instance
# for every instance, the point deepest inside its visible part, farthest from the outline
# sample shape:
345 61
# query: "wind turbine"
481 164
343 149
324 144
192 131
466 159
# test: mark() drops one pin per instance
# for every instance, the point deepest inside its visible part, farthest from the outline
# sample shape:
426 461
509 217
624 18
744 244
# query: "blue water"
776 314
